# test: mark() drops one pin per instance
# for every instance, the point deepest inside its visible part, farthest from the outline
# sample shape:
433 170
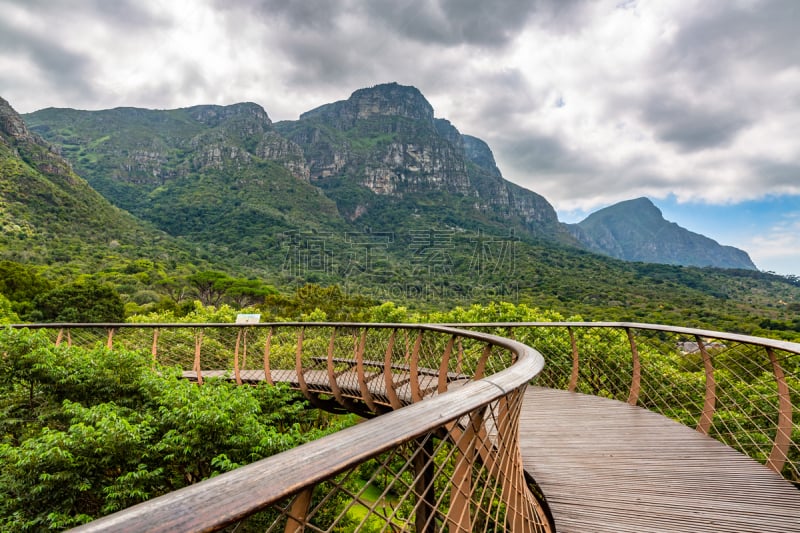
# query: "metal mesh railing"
452 461
737 389
443 456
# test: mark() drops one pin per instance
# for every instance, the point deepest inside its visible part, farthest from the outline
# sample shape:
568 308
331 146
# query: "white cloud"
777 248
585 102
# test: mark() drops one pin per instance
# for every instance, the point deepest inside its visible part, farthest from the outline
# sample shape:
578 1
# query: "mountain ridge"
378 160
635 230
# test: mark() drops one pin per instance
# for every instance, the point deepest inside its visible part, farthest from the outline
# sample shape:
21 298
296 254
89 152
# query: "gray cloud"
127 14
763 33
442 22
692 127
471 22
63 68
307 14
543 154
436 22
190 86
776 174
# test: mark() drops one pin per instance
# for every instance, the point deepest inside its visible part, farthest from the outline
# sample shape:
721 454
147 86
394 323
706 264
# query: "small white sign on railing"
245 318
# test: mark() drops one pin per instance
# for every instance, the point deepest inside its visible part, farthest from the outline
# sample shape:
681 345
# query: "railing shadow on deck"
735 388
444 450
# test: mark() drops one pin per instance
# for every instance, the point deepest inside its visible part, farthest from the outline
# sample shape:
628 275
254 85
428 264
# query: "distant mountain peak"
635 230
643 202
640 211
388 99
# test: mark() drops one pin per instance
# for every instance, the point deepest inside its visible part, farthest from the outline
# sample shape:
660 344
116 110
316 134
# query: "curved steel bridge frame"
445 404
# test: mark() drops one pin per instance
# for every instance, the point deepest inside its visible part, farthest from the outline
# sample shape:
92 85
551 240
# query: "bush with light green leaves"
86 432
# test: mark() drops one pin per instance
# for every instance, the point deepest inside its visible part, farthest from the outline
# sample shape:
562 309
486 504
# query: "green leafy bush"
86 432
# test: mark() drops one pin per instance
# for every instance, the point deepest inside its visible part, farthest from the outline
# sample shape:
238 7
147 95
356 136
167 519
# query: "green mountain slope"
50 215
635 230
376 195
215 175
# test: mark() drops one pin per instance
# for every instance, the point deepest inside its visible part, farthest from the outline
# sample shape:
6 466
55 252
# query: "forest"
89 430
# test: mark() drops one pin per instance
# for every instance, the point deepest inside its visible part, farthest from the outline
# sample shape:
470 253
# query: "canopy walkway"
606 466
629 427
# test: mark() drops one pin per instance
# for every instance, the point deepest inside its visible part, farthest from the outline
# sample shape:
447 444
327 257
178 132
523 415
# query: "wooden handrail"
736 337
225 499
779 428
780 431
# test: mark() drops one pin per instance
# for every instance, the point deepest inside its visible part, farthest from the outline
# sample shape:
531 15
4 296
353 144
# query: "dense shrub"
85 432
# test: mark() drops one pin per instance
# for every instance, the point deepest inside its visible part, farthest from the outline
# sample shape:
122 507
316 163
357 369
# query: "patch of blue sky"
767 229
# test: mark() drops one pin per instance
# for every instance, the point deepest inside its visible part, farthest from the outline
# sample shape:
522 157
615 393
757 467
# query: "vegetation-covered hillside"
371 198
50 215
635 230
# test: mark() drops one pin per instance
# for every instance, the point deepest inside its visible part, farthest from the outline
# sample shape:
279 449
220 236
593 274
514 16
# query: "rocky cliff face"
30 147
238 133
636 230
11 124
386 139
150 148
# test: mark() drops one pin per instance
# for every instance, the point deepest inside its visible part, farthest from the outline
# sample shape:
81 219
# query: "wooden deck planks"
606 466
317 382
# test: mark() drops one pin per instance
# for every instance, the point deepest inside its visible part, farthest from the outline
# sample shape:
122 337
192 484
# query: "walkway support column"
709 405
636 373
783 431
573 377
424 473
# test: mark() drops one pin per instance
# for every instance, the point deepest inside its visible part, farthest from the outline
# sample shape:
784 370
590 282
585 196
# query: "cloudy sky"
693 103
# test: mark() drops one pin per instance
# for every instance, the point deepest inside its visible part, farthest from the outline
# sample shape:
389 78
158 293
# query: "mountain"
216 175
635 230
372 193
247 190
382 156
48 214
377 163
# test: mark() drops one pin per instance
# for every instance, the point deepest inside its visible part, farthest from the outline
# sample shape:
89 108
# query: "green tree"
82 301
7 315
174 288
246 292
211 285
86 432
21 284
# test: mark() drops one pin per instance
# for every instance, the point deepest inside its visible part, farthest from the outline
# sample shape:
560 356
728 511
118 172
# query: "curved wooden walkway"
606 466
